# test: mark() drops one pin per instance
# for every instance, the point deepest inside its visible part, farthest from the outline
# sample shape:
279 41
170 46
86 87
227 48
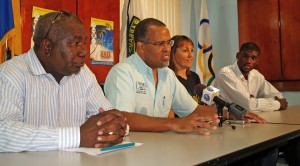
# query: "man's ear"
238 55
46 46
139 46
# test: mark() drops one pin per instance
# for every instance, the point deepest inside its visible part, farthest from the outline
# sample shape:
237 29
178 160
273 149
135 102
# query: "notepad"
119 146
97 151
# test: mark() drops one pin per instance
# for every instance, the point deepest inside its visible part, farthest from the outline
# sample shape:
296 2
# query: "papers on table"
97 151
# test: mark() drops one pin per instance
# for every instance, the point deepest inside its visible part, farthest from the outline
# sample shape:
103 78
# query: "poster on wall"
102 48
37 12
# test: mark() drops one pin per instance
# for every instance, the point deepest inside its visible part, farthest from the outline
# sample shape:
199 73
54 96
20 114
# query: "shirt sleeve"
267 90
232 88
18 136
96 98
183 104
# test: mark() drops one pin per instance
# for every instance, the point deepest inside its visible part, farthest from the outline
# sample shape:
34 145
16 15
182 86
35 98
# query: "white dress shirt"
235 88
37 113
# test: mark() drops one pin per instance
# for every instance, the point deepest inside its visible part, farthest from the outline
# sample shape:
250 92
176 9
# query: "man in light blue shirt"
148 99
49 99
146 89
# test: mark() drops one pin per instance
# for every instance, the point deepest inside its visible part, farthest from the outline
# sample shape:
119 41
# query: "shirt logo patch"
141 88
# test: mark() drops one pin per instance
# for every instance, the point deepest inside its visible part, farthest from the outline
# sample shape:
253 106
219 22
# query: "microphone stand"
220 114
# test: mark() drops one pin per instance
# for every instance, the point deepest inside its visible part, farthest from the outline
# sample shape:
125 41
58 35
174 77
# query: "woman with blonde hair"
181 60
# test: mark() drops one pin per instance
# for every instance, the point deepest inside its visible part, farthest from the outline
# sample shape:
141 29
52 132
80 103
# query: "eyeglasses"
169 43
60 13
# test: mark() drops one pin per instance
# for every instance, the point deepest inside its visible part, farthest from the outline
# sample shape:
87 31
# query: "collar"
35 64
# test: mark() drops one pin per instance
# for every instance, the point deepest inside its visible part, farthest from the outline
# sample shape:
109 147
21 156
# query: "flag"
136 11
204 58
10 29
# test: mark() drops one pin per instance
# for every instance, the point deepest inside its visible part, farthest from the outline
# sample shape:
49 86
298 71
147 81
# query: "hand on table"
203 118
102 130
283 103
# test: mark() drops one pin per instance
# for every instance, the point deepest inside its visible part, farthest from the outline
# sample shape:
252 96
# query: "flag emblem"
204 63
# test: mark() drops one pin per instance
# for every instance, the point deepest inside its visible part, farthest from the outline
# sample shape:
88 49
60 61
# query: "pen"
118 146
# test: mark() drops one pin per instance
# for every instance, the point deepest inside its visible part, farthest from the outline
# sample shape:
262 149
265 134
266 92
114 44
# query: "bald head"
50 24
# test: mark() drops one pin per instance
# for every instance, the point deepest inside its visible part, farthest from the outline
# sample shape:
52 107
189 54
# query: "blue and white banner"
204 57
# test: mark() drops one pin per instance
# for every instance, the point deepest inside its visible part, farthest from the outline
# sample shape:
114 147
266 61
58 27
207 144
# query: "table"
291 115
223 146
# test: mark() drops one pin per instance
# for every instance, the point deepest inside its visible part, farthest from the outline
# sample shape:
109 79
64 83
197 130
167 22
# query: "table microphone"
210 95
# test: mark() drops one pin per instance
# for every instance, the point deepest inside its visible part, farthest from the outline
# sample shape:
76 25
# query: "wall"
224 30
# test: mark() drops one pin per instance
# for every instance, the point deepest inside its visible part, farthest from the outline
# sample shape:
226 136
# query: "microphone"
198 91
210 95
236 110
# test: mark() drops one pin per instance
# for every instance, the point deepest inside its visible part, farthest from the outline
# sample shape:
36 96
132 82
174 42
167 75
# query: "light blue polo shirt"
130 87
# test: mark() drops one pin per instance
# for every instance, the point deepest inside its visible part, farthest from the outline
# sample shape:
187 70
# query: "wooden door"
259 22
290 39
